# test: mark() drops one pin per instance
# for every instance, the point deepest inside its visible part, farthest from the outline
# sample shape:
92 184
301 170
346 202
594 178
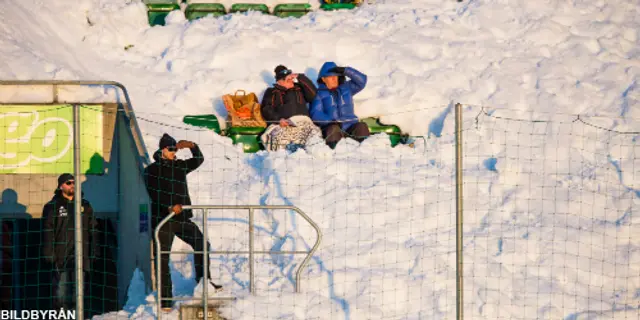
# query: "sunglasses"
285 72
172 149
70 183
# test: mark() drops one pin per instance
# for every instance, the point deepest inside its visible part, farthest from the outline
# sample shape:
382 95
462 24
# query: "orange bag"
244 110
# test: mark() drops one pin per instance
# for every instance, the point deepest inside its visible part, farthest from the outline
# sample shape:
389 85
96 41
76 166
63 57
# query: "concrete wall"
134 245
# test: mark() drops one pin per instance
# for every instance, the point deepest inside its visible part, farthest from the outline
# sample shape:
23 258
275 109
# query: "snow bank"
549 197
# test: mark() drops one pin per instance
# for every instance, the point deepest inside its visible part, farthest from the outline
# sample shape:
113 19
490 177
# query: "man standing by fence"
166 181
59 240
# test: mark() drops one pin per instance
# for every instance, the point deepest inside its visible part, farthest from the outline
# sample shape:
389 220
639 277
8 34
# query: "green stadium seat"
248 136
157 12
244 7
198 10
395 134
209 121
337 6
296 10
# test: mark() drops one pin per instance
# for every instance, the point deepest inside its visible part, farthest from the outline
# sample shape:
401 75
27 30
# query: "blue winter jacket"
337 104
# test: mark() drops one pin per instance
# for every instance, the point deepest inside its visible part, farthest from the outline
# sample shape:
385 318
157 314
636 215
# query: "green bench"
250 136
337 6
198 10
157 12
245 7
295 10
395 134
209 121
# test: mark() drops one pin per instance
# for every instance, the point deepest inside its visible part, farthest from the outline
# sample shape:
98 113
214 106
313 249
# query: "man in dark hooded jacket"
166 182
58 245
287 98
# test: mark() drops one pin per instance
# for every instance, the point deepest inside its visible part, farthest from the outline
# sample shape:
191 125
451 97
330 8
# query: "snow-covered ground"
551 199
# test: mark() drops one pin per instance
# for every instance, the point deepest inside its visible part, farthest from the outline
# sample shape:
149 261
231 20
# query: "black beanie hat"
167 141
64 178
281 72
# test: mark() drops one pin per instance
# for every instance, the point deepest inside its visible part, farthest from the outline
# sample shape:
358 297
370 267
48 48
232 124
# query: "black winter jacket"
281 103
59 232
166 182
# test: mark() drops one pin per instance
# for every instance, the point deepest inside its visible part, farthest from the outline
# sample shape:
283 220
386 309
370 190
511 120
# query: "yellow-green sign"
39 139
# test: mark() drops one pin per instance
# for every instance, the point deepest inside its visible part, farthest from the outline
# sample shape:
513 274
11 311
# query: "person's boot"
218 287
212 288
166 306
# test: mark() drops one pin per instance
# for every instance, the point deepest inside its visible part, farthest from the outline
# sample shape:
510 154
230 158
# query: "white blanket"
297 134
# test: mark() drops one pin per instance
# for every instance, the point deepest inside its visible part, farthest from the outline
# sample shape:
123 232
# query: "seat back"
244 7
395 134
157 12
296 10
209 121
198 10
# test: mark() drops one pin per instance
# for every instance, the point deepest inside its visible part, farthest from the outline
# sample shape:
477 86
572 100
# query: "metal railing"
251 251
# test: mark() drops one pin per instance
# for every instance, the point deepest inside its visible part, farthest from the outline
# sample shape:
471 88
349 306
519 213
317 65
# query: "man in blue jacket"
333 108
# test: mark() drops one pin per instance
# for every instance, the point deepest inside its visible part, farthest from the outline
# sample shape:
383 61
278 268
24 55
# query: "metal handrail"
251 252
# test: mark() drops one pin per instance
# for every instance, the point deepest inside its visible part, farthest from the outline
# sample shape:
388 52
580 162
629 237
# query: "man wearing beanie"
286 105
287 98
58 246
166 182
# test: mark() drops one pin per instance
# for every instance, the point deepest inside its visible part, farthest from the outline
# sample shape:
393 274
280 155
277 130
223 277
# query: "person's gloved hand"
176 208
339 70
183 144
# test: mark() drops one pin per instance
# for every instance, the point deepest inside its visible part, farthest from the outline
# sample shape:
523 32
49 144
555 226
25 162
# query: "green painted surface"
394 132
296 10
251 142
209 121
337 6
248 136
246 130
38 139
198 10
244 7
157 12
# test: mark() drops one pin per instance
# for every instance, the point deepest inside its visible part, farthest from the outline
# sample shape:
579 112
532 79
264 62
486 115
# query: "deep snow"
550 230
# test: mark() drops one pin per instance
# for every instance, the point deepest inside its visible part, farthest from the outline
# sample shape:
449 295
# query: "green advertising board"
37 139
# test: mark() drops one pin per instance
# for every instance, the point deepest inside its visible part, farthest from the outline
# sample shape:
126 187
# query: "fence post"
459 181
252 285
78 213
205 262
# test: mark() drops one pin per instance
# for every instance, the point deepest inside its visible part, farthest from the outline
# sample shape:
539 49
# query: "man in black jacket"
284 107
166 181
287 98
59 240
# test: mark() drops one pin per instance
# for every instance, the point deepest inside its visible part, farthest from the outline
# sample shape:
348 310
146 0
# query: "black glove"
339 70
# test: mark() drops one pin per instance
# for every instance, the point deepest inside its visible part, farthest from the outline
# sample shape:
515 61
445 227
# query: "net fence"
549 225
549 216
